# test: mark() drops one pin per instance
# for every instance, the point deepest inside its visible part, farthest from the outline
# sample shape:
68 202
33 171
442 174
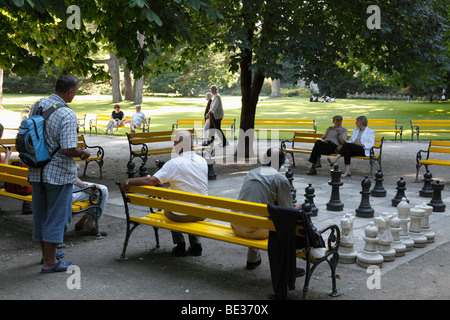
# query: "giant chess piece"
365 210
130 169
385 236
143 170
335 203
347 252
401 187
425 223
369 255
397 244
436 201
290 176
415 227
309 195
403 210
378 190
427 190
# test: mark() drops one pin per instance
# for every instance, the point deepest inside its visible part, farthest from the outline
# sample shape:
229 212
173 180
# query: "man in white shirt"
187 172
216 114
137 119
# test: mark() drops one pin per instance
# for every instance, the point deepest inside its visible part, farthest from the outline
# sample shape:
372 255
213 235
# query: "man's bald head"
183 141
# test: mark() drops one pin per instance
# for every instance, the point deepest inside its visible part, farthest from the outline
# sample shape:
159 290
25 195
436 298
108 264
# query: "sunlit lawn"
164 111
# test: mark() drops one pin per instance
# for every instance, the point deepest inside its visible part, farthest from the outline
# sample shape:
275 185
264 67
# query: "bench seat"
429 126
219 213
307 140
436 149
18 175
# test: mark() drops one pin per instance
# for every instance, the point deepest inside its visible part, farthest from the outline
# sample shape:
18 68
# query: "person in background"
137 119
5 159
359 144
332 140
117 119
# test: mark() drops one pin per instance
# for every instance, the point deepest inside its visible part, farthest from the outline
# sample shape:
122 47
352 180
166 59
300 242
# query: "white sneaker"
105 131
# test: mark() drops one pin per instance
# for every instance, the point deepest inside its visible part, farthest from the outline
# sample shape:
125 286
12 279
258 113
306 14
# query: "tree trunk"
138 90
250 93
115 74
276 91
128 92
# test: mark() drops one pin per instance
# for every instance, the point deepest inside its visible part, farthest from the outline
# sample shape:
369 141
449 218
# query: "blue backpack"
30 141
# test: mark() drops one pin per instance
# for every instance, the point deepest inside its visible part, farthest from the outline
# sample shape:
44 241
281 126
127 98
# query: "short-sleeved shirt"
60 130
331 135
117 115
266 185
188 172
138 117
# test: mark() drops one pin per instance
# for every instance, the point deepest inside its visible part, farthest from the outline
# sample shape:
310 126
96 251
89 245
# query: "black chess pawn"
365 210
436 201
290 176
143 170
309 195
378 190
335 203
401 187
130 169
427 190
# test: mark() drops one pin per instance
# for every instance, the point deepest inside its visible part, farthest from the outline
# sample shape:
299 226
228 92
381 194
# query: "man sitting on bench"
188 172
264 185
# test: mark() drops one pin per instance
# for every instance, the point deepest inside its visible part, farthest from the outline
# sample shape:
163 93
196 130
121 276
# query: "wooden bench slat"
235 205
205 229
435 148
426 126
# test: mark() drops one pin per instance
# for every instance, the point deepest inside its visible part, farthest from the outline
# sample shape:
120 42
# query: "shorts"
52 211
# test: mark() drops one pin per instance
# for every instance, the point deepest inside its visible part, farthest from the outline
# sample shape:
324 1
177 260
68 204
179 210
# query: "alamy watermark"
74 280
374 21
374 280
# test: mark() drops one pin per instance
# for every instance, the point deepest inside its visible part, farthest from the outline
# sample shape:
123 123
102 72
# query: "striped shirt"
60 130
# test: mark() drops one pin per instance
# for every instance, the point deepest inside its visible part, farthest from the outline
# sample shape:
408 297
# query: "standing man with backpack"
52 187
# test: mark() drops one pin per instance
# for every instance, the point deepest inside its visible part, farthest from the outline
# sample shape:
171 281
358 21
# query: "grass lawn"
164 111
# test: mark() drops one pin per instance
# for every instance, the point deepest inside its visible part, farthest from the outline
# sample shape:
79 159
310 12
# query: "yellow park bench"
429 126
303 143
435 155
97 152
286 125
216 211
378 125
18 175
81 122
145 144
102 120
9 143
227 124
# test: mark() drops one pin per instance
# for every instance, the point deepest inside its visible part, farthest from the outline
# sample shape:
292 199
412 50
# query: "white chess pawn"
370 256
425 223
385 236
403 210
397 244
415 228
347 252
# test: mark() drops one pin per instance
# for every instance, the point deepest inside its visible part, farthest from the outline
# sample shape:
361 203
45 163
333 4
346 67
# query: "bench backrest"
155 136
430 123
198 121
4 143
285 122
210 207
437 146
348 123
306 137
14 174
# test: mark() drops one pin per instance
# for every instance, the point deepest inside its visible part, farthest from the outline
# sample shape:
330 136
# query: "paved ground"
220 274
